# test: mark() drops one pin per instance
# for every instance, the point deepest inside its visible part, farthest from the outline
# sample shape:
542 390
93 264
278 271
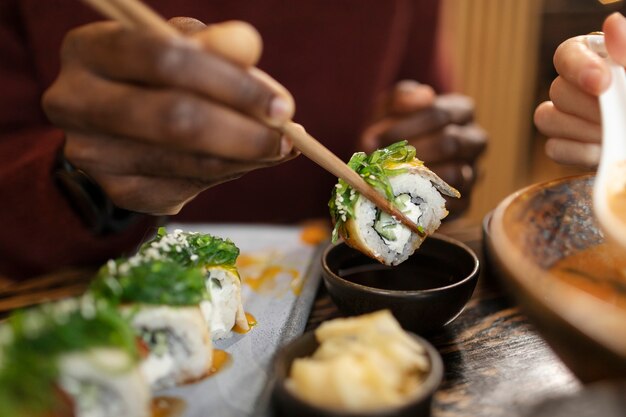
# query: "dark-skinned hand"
441 128
155 121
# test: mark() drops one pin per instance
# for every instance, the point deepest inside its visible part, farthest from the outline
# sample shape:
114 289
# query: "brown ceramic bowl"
424 293
288 404
530 231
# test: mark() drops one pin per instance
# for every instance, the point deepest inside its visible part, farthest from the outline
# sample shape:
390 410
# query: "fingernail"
280 109
407 86
621 20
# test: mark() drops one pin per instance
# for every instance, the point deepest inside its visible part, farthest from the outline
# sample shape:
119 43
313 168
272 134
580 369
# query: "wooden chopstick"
50 287
105 8
135 14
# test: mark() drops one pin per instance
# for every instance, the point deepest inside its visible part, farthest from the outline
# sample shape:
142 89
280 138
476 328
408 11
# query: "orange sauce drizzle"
315 233
296 284
167 406
245 261
251 323
266 279
220 360
599 271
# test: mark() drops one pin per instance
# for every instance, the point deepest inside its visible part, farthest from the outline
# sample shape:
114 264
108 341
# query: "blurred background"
501 52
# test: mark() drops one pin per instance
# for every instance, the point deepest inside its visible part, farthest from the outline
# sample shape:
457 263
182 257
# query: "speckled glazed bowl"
430 289
529 232
288 404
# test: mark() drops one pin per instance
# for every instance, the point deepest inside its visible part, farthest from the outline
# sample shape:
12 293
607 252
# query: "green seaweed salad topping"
167 270
376 169
31 342
144 280
191 248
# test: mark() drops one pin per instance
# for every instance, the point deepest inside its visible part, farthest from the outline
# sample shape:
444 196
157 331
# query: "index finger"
146 59
420 123
582 67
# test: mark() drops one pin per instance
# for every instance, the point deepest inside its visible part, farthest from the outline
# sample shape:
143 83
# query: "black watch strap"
89 201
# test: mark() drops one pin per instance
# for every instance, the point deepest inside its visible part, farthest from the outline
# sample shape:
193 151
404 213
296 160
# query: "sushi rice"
179 344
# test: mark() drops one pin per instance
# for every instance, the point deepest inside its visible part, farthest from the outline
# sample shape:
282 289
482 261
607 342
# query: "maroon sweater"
335 56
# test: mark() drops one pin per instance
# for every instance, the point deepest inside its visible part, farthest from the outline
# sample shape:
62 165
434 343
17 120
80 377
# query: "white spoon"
609 191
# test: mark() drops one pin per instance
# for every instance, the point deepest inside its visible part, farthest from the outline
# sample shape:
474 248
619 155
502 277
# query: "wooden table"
496 365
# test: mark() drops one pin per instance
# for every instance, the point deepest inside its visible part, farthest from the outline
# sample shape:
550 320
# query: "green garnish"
143 280
375 169
156 341
32 341
385 225
191 249
169 269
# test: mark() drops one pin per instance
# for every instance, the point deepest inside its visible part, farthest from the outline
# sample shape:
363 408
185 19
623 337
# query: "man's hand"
155 121
441 128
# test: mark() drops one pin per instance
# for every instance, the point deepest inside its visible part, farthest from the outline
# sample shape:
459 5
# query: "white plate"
290 272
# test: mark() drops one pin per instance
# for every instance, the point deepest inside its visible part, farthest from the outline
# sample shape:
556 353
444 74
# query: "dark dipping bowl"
424 293
288 404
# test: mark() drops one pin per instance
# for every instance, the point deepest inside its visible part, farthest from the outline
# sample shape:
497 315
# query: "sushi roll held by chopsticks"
70 358
414 189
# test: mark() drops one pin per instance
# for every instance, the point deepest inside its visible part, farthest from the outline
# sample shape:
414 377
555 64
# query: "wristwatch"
90 202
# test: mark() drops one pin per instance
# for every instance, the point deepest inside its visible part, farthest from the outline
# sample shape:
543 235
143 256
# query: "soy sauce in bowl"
427 291
424 273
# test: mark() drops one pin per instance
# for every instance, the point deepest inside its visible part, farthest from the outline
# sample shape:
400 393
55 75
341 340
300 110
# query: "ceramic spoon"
609 191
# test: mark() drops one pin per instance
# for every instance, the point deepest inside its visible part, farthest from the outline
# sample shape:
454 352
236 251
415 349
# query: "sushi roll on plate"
70 358
418 192
217 257
161 299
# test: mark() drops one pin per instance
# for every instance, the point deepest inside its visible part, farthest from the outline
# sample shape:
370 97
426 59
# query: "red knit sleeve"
420 56
40 232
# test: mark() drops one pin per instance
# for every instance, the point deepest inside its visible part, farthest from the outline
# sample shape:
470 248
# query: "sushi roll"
217 258
414 189
160 299
179 351
70 358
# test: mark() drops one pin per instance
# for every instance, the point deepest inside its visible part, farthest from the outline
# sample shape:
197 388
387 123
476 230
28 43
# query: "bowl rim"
428 388
398 293
610 334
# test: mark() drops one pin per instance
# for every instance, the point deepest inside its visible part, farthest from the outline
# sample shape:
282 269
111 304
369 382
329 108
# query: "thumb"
236 41
615 36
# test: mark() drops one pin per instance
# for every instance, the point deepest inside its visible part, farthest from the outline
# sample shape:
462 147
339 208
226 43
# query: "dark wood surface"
496 365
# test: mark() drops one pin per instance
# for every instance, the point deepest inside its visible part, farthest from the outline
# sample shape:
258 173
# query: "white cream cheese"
224 290
155 368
